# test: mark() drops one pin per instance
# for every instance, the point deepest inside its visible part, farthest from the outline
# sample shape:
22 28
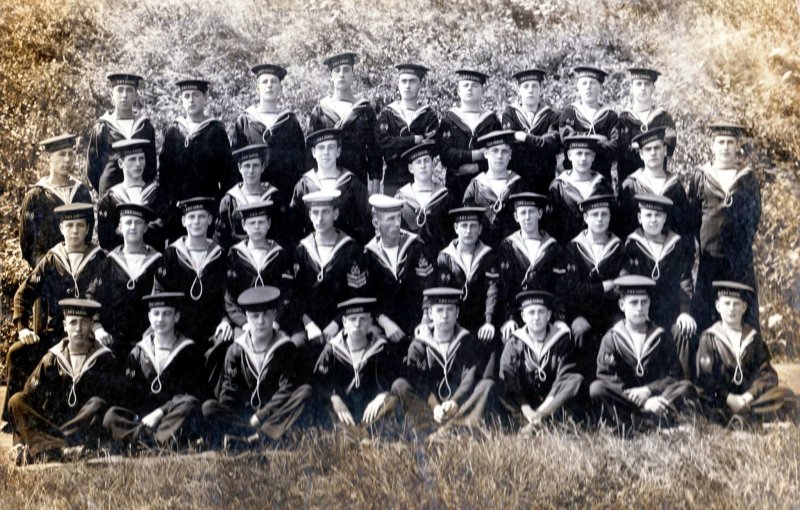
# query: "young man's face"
163 319
528 217
642 90
536 317
323 217
269 87
388 226
74 232
61 162
133 165
196 223
589 90
251 170
581 159
731 309
409 84
636 308
422 169
529 92
444 316
653 154
470 92
326 153
123 97
261 321
468 232
193 102
725 149
357 324
652 222
78 328
498 157
342 77
597 220
256 228
132 228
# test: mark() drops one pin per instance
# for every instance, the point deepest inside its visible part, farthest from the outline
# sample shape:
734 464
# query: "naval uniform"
267 387
152 196
38 223
535 158
722 369
620 366
564 219
53 279
430 222
499 216
103 170
120 287
455 142
356 383
353 205
435 375
394 134
577 120
229 230
590 309
286 146
522 270
398 285
61 406
529 377
175 387
727 223
631 124
360 154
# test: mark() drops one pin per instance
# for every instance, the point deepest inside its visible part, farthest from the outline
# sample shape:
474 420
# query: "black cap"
651 135
595 202
442 295
132 146
138 210
60 142
79 307
74 211
535 297
466 214
634 285
193 84
324 135
590 72
726 129
530 74
357 305
727 288
496 138
197 204
347 58
581 142
159 299
654 202
418 70
257 150
642 73
255 209
418 151
529 199
273 69
259 299
472 75
134 80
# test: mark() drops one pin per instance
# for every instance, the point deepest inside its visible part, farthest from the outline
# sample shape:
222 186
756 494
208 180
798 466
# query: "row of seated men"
80 396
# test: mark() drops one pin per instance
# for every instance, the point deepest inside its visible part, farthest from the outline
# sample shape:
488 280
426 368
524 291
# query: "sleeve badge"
424 268
356 278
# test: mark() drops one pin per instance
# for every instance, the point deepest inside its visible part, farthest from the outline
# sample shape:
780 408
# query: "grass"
703 466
